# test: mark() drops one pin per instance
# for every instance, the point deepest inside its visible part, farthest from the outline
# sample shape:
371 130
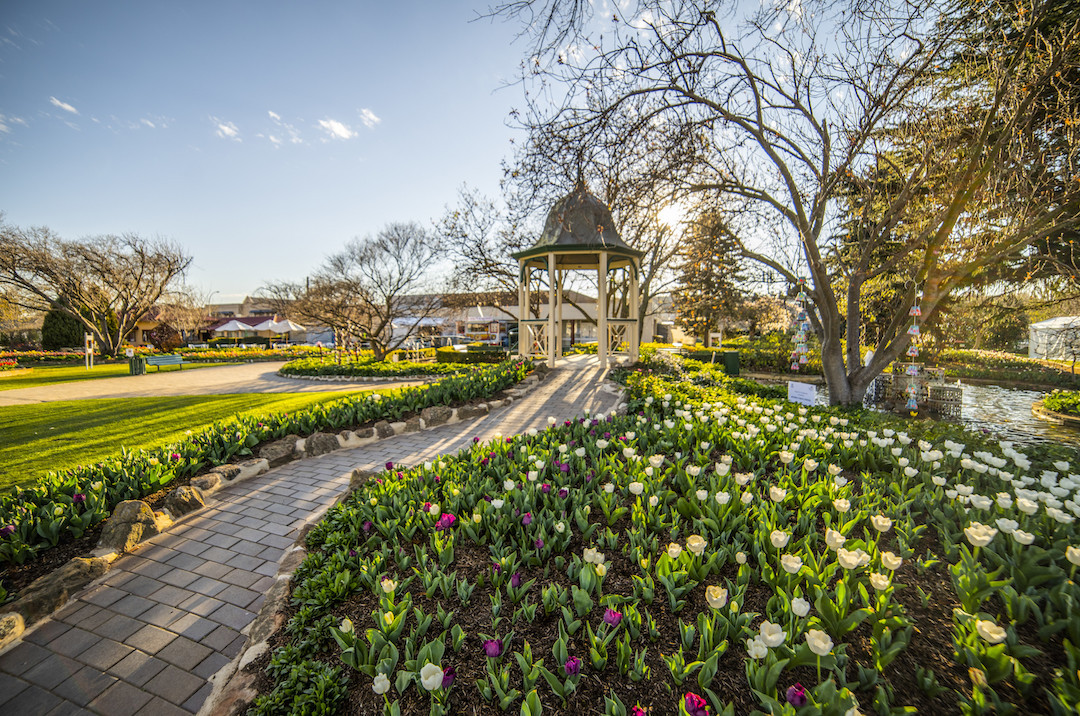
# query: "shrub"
447 354
1063 401
61 330
368 367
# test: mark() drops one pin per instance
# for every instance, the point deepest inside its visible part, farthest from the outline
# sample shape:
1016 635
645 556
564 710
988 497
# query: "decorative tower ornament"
913 351
802 333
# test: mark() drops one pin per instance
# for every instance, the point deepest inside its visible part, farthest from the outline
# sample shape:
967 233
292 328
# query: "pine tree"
708 292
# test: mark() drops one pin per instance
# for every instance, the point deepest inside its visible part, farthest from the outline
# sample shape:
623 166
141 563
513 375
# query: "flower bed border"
1043 413
14 621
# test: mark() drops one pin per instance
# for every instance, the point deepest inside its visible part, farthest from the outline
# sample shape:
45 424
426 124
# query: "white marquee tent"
1055 338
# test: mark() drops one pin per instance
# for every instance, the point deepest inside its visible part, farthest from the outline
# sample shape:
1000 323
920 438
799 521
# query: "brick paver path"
147 637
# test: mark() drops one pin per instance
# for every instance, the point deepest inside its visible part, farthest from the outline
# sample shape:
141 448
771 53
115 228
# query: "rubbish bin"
136 365
731 362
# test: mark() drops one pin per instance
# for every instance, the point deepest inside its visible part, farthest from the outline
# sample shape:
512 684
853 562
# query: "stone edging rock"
362 378
233 687
1043 413
134 521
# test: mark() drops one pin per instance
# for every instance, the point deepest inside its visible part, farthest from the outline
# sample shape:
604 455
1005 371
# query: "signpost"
799 392
88 346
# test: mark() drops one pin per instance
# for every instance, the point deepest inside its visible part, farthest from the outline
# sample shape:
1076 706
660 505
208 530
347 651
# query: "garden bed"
930 581
68 506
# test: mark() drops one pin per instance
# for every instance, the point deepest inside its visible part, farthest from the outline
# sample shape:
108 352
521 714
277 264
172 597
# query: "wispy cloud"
283 132
6 121
368 118
226 130
336 129
63 105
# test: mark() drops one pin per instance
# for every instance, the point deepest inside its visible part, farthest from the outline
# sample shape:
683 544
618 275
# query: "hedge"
447 354
366 368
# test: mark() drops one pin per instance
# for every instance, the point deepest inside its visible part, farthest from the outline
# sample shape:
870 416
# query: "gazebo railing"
619 335
534 338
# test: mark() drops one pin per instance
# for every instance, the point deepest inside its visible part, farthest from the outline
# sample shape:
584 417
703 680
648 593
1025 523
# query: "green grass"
63 434
53 374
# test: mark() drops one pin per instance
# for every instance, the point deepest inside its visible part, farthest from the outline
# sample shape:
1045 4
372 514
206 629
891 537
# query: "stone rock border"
1043 413
134 521
365 378
233 687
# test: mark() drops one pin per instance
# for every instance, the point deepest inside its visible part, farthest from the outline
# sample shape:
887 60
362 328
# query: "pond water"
1006 413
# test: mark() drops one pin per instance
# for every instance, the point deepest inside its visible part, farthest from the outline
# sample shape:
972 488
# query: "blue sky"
259 135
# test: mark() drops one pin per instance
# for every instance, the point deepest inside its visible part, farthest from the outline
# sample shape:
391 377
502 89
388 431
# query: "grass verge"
63 434
39 376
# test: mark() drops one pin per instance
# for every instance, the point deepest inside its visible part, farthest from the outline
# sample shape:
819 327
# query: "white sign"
798 392
130 352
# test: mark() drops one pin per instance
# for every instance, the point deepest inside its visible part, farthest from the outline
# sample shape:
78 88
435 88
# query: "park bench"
165 360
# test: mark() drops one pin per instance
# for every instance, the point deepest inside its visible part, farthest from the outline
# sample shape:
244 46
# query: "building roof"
1058 323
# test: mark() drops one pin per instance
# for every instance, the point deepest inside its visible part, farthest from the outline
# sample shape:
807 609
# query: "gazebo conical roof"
578 228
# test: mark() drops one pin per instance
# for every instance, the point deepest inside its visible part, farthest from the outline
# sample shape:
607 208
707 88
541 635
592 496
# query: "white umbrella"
284 326
267 325
233 325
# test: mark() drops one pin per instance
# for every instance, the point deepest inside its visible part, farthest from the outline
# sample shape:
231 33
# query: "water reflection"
1005 413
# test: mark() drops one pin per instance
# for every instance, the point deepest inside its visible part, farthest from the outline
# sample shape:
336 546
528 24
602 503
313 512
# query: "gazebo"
580 235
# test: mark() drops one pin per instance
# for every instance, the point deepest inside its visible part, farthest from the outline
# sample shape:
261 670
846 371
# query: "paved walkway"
146 639
246 378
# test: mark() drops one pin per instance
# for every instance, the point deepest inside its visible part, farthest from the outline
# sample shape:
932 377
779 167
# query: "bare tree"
789 110
185 308
106 282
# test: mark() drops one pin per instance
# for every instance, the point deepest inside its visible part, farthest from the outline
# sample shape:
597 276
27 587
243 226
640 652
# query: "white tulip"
834 539
747 498
879 581
772 635
881 523
674 549
696 544
777 494
819 642
779 538
841 505
755 648
800 607
431 677
891 561
702 495
1073 555
716 596
636 488
791 563
979 535
654 501
382 684
740 557
990 631
1022 537
722 498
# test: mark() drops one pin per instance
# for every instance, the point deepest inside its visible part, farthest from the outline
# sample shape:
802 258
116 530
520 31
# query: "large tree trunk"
836 377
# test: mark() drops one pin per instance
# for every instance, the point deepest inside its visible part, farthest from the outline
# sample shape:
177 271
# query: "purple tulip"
445 522
7 530
526 519
515 580
427 507
476 439
637 711
496 568
78 498
545 488
367 525
572 667
563 492
175 456
484 461
539 543
695 705
493 648
352 552
565 467
607 436
796 695
448 676
612 617
389 466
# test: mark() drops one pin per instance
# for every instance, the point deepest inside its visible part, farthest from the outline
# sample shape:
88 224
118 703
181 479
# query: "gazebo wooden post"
524 338
559 303
635 298
601 312
551 310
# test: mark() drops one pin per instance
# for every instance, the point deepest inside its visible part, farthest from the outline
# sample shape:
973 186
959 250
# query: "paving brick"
104 653
212 569
267 569
245 562
158 706
150 639
271 554
174 685
137 668
184 653
118 627
143 586
103 595
185 561
21 657
84 686
207 586
220 638
10 687
162 615
148 567
193 626
120 699
238 596
45 632
276 541
157 552
252 526
192 532
247 547
232 616
35 701
211 665
179 577
220 540
263 584
51 671
191 547
91 618
132 605
241 578
72 642
195 702
170 595
67 708
201 605
218 554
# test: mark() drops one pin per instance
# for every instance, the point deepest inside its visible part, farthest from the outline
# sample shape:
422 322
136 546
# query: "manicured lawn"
63 434
49 375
